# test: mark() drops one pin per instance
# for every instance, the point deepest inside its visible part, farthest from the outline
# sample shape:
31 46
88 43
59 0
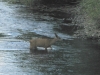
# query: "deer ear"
56 35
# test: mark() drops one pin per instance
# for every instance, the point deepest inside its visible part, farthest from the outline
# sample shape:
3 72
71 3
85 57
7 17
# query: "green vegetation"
88 12
91 7
91 10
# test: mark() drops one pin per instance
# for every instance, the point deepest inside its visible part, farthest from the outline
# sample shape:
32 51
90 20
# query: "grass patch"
92 9
90 15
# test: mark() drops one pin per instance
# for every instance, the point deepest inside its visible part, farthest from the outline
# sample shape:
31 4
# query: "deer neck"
53 40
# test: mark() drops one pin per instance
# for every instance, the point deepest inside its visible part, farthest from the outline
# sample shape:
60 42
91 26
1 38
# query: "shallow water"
69 57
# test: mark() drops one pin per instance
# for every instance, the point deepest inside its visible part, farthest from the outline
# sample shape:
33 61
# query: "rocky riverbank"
85 26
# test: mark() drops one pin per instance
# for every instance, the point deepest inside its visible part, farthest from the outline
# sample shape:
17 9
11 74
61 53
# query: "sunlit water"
68 57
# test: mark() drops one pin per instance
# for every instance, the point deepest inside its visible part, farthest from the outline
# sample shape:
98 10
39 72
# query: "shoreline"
70 12
85 30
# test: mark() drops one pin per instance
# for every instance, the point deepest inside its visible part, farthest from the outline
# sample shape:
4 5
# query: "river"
71 56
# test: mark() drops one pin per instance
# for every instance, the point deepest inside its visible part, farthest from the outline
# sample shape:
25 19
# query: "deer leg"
46 48
51 47
31 50
35 48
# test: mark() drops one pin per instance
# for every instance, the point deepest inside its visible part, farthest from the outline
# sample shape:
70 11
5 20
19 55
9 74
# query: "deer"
43 42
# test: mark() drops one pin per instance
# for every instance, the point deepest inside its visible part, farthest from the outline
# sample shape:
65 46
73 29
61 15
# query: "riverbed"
70 56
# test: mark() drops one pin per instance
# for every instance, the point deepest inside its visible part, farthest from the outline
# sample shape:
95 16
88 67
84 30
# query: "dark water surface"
69 57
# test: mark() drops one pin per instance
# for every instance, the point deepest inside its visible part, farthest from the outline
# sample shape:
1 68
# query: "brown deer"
42 42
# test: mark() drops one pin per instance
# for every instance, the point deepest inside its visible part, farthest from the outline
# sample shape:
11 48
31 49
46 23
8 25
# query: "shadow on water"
38 52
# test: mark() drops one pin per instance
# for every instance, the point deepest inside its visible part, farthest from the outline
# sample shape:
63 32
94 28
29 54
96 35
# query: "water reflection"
73 57
71 60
